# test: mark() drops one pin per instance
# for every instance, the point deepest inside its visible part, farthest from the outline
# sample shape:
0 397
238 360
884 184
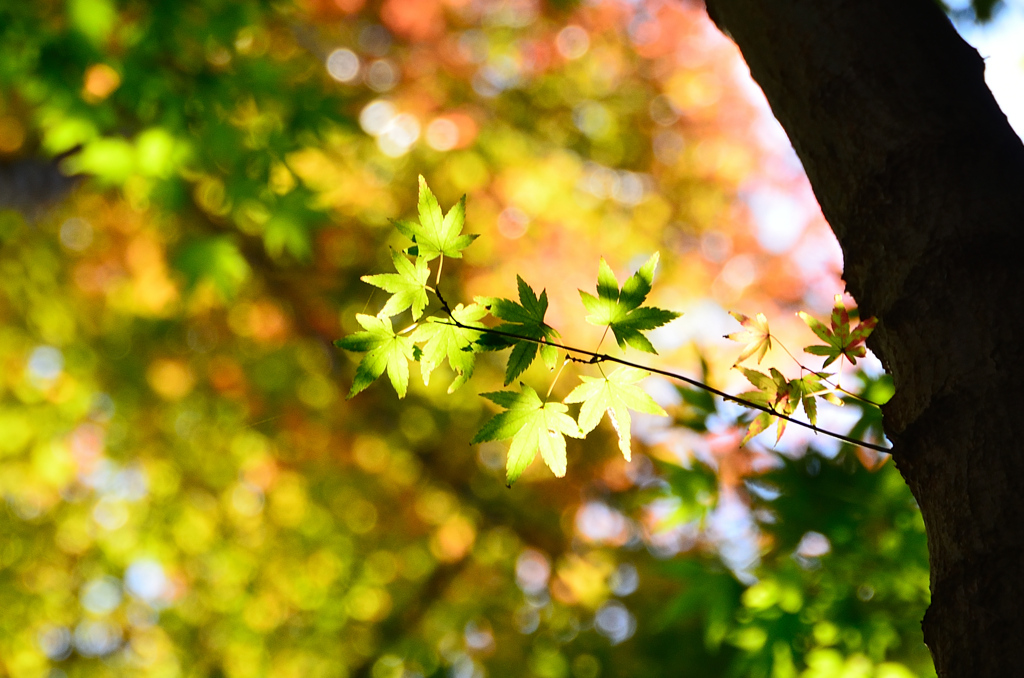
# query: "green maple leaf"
840 339
783 395
408 286
621 310
813 386
615 394
436 234
532 425
384 350
756 335
773 392
525 319
445 340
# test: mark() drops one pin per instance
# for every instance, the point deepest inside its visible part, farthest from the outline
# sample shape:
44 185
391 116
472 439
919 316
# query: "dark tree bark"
922 180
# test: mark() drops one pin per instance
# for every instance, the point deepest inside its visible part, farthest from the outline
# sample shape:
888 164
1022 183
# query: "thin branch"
595 358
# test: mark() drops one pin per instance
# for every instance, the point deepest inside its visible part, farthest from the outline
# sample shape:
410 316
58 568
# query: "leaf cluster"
436 235
539 425
533 424
778 397
782 396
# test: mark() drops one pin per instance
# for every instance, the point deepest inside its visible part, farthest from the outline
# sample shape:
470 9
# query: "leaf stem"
557 375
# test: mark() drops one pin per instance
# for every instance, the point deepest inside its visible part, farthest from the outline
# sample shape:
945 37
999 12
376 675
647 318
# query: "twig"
595 358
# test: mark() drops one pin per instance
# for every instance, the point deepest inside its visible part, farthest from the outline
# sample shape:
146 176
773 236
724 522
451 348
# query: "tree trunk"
922 180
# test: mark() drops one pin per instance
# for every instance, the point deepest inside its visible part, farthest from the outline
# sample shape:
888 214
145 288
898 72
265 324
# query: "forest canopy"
191 194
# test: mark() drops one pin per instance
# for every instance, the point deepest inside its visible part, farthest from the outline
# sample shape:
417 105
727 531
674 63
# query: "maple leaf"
775 392
532 425
760 423
384 350
757 336
840 338
408 286
445 340
621 310
783 396
813 386
436 235
615 394
525 319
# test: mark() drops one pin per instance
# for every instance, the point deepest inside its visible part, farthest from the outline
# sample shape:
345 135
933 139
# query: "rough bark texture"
922 180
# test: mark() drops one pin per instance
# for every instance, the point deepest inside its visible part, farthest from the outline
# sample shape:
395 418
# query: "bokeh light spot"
100 82
398 135
382 75
376 115
76 234
96 638
171 379
343 65
145 579
625 580
532 571
442 134
101 596
615 622
513 223
55 642
45 363
572 42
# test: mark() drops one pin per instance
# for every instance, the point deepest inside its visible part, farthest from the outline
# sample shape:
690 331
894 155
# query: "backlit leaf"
408 286
436 234
840 339
532 425
761 423
756 336
620 310
615 394
384 349
446 340
525 319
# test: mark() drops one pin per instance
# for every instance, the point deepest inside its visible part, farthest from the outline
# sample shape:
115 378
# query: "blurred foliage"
198 188
981 11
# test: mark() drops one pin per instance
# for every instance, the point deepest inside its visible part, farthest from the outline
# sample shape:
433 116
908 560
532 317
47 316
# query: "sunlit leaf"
408 286
756 336
621 310
384 349
615 394
524 319
840 339
533 425
436 234
446 340
760 423
776 393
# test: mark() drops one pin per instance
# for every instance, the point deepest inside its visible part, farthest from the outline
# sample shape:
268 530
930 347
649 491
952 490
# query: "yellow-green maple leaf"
615 394
533 425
